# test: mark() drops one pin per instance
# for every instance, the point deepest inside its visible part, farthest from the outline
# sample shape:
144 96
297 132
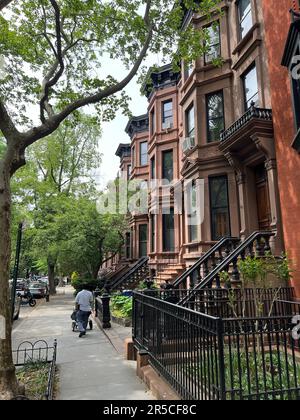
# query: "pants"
83 319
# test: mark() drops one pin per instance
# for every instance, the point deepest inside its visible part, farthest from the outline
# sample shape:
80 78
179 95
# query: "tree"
50 48
60 168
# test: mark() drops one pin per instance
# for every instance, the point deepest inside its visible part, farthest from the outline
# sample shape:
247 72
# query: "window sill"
245 40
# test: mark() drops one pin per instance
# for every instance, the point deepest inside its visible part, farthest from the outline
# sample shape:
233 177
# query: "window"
144 153
245 17
214 43
153 168
153 125
168 232
128 171
167 165
215 116
153 233
167 115
219 207
250 87
190 122
143 240
193 226
128 246
133 157
188 70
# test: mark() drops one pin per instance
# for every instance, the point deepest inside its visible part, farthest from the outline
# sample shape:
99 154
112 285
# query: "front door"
263 198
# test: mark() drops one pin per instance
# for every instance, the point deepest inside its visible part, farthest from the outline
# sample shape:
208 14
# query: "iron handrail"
226 262
137 266
205 257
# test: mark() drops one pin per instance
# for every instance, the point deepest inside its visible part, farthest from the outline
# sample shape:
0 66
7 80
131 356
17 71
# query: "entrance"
263 198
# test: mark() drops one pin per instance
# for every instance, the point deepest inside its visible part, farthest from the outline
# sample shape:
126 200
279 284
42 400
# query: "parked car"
21 286
38 290
44 280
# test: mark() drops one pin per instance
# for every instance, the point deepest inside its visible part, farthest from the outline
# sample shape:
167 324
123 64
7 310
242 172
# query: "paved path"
90 368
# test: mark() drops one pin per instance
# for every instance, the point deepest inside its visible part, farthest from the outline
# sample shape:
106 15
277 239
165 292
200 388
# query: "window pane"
219 207
167 169
152 233
245 16
143 239
214 46
153 122
153 168
190 120
215 116
144 153
251 87
168 232
167 117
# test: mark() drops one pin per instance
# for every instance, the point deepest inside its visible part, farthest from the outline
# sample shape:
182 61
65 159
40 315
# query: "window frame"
247 102
219 44
143 242
166 229
153 233
164 153
189 132
214 237
208 119
240 20
164 119
152 168
144 154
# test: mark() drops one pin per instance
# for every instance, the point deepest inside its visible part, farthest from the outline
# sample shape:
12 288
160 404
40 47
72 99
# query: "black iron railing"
38 352
252 113
257 244
206 263
234 303
211 358
138 272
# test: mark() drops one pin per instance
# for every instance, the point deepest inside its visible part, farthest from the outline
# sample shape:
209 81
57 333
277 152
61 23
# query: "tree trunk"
8 381
51 277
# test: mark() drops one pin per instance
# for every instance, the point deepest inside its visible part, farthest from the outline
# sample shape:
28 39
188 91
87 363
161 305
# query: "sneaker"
82 334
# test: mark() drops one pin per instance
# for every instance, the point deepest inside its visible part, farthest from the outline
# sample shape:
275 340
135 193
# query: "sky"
113 133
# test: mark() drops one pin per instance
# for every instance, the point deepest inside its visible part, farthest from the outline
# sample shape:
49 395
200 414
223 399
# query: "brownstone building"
235 126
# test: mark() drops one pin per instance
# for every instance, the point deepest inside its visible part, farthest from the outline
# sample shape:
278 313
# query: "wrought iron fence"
212 358
38 352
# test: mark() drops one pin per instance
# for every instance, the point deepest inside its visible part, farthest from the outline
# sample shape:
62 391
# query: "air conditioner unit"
168 125
188 144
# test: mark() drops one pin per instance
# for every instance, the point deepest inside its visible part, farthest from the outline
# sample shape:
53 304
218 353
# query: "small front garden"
121 309
35 376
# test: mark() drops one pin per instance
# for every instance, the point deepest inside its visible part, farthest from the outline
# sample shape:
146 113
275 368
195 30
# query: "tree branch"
48 82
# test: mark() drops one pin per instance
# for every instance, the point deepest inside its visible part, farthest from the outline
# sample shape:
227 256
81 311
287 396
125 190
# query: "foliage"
121 306
81 283
50 47
35 378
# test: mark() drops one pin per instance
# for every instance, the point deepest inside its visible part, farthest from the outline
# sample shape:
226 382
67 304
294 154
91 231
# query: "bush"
121 306
81 283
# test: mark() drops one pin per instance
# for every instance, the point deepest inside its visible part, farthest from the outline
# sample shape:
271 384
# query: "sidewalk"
90 367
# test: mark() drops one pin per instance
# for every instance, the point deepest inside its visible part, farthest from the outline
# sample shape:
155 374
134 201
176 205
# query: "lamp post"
16 268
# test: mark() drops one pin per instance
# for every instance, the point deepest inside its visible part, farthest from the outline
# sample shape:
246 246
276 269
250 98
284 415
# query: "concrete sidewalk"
90 367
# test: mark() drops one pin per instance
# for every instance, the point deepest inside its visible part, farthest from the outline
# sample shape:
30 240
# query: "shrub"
121 306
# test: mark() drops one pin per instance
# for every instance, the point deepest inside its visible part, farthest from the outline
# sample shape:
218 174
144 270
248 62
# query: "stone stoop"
171 273
160 389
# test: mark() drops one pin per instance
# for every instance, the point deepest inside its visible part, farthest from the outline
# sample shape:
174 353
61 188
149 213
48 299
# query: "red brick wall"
277 20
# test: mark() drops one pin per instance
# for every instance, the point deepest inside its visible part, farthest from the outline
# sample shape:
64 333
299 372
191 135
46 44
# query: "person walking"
84 302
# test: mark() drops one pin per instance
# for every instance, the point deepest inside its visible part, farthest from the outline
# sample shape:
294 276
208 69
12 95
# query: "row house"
235 126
